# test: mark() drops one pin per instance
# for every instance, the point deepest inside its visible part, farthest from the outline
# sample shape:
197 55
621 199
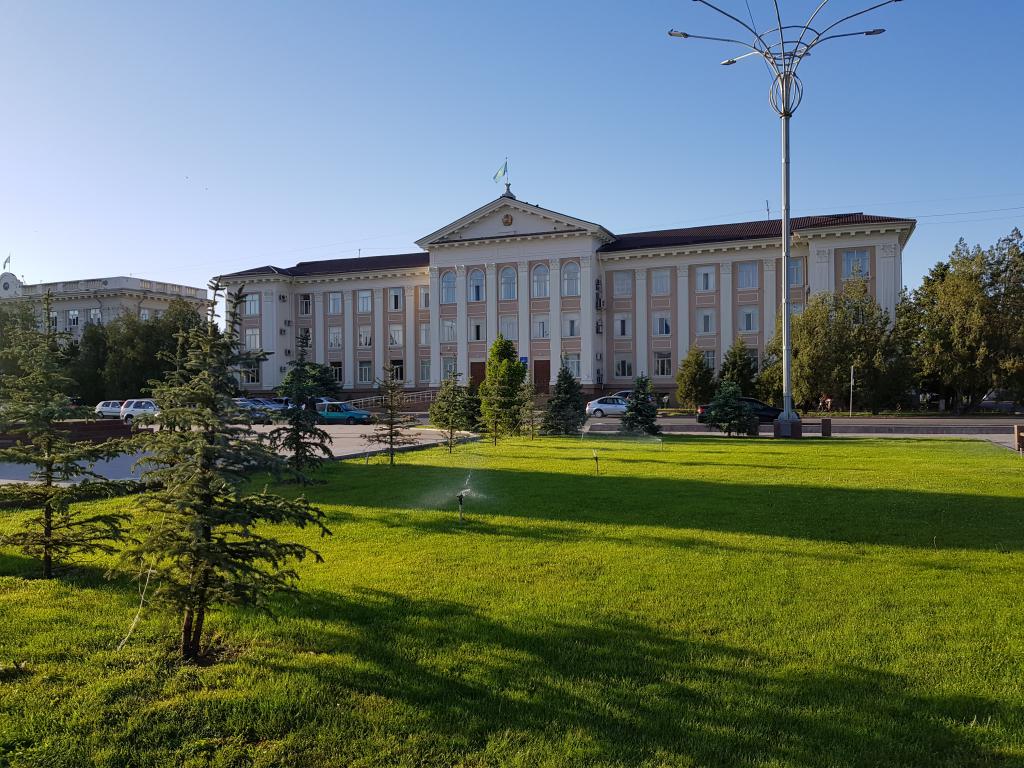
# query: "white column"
410 348
523 296
461 323
350 339
641 325
491 294
887 287
587 320
435 328
555 316
379 346
770 298
319 343
725 308
682 312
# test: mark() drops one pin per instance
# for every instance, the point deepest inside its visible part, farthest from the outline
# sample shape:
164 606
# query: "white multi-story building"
76 303
563 289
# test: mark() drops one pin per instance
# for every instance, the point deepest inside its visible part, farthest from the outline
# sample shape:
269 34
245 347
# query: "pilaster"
435 328
491 295
642 325
682 312
523 295
587 329
348 310
462 323
410 346
726 309
379 345
555 316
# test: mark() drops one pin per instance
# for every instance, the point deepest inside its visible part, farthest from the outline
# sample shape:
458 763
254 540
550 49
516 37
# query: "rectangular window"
509 327
424 297
624 367
364 302
448 331
622 284
572 362
398 370
305 304
746 275
623 326
570 326
748 319
251 304
709 358
395 299
424 369
796 272
476 330
96 315
660 285
333 303
424 334
365 337
662 324
337 372
450 366
662 364
706 322
365 372
335 337
540 327
705 279
855 264
143 314
250 373
395 335
252 338
72 318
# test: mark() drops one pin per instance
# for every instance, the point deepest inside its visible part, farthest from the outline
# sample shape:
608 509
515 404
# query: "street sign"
524 360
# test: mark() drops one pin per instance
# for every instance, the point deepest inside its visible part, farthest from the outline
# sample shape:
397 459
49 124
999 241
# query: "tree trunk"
47 541
197 628
186 635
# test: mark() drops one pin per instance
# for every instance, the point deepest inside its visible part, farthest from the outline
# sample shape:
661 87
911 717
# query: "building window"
448 331
476 285
705 322
251 304
709 358
660 285
448 288
746 275
796 308
540 327
96 316
335 337
252 338
364 302
337 372
72 318
540 281
424 297
748 319
570 326
424 369
250 373
508 284
662 364
143 314
450 366
705 279
305 304
572 362
333 303
796 272
424 334
365 337
398 370
571 279
855 264
662 324
623 326
476 330
622 284
395 335
623 367
395 299
365 372
509 327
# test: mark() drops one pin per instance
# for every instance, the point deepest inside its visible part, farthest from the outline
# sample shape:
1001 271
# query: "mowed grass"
712 602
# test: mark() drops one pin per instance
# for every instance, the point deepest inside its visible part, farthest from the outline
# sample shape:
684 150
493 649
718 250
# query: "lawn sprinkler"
461 497
597 466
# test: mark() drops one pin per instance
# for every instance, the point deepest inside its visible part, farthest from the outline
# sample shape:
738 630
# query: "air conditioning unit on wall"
598 357
288 323
282 332
282 298
287 353
283 368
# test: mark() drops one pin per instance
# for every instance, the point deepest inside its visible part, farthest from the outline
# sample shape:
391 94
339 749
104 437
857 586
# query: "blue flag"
501 173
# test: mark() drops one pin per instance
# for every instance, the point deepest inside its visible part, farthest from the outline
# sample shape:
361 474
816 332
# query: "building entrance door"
477 374
541 375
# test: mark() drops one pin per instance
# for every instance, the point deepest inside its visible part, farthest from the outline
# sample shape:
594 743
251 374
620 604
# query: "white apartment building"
78 302
563 289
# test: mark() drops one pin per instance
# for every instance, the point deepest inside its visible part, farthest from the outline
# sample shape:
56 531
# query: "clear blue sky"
181 140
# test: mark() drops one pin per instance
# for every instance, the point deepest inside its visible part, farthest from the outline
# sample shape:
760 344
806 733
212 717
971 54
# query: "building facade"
78 302
563 289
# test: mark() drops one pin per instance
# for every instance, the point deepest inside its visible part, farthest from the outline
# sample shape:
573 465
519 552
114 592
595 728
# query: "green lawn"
715 602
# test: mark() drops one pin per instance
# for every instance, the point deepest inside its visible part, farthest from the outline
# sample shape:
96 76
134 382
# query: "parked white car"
132 409
108 409
606 406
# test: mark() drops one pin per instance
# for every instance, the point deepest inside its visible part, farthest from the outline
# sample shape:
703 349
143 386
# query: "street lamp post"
783 48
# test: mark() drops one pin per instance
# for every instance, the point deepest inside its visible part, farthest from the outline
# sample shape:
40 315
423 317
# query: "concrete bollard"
1018 437
826 427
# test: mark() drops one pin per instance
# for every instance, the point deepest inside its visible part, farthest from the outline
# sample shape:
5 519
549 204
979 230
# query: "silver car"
108 409
606 406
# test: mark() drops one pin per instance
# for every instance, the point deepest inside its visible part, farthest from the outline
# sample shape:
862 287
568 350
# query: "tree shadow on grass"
613 691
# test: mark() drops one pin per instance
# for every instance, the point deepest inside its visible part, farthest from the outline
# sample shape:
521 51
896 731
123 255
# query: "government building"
611 306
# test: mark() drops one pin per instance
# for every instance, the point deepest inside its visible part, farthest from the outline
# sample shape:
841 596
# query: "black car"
765 413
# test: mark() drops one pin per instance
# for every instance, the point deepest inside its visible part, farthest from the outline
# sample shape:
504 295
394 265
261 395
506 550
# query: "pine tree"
391 431
727 412
300 436
641 411
566 412
33 407
529 416
500 390
450 410
209 543
738 366
695 381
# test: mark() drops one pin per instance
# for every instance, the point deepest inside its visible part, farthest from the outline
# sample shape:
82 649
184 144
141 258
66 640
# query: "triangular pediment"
508 217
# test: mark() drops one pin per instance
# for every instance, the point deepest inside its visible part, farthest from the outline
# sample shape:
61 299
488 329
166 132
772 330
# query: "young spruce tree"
641 411
208 544
566 411
304 441
738 366
33 408
450 410
695 381
500 391
392 426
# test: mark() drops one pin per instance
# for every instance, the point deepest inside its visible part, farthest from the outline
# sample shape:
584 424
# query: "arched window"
540 282
571 279
508 284
476 285
448 288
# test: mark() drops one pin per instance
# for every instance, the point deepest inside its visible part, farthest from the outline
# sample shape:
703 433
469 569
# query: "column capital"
460 270
433 271
555 262
769 264
726 267
491 269
641 275
523 264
